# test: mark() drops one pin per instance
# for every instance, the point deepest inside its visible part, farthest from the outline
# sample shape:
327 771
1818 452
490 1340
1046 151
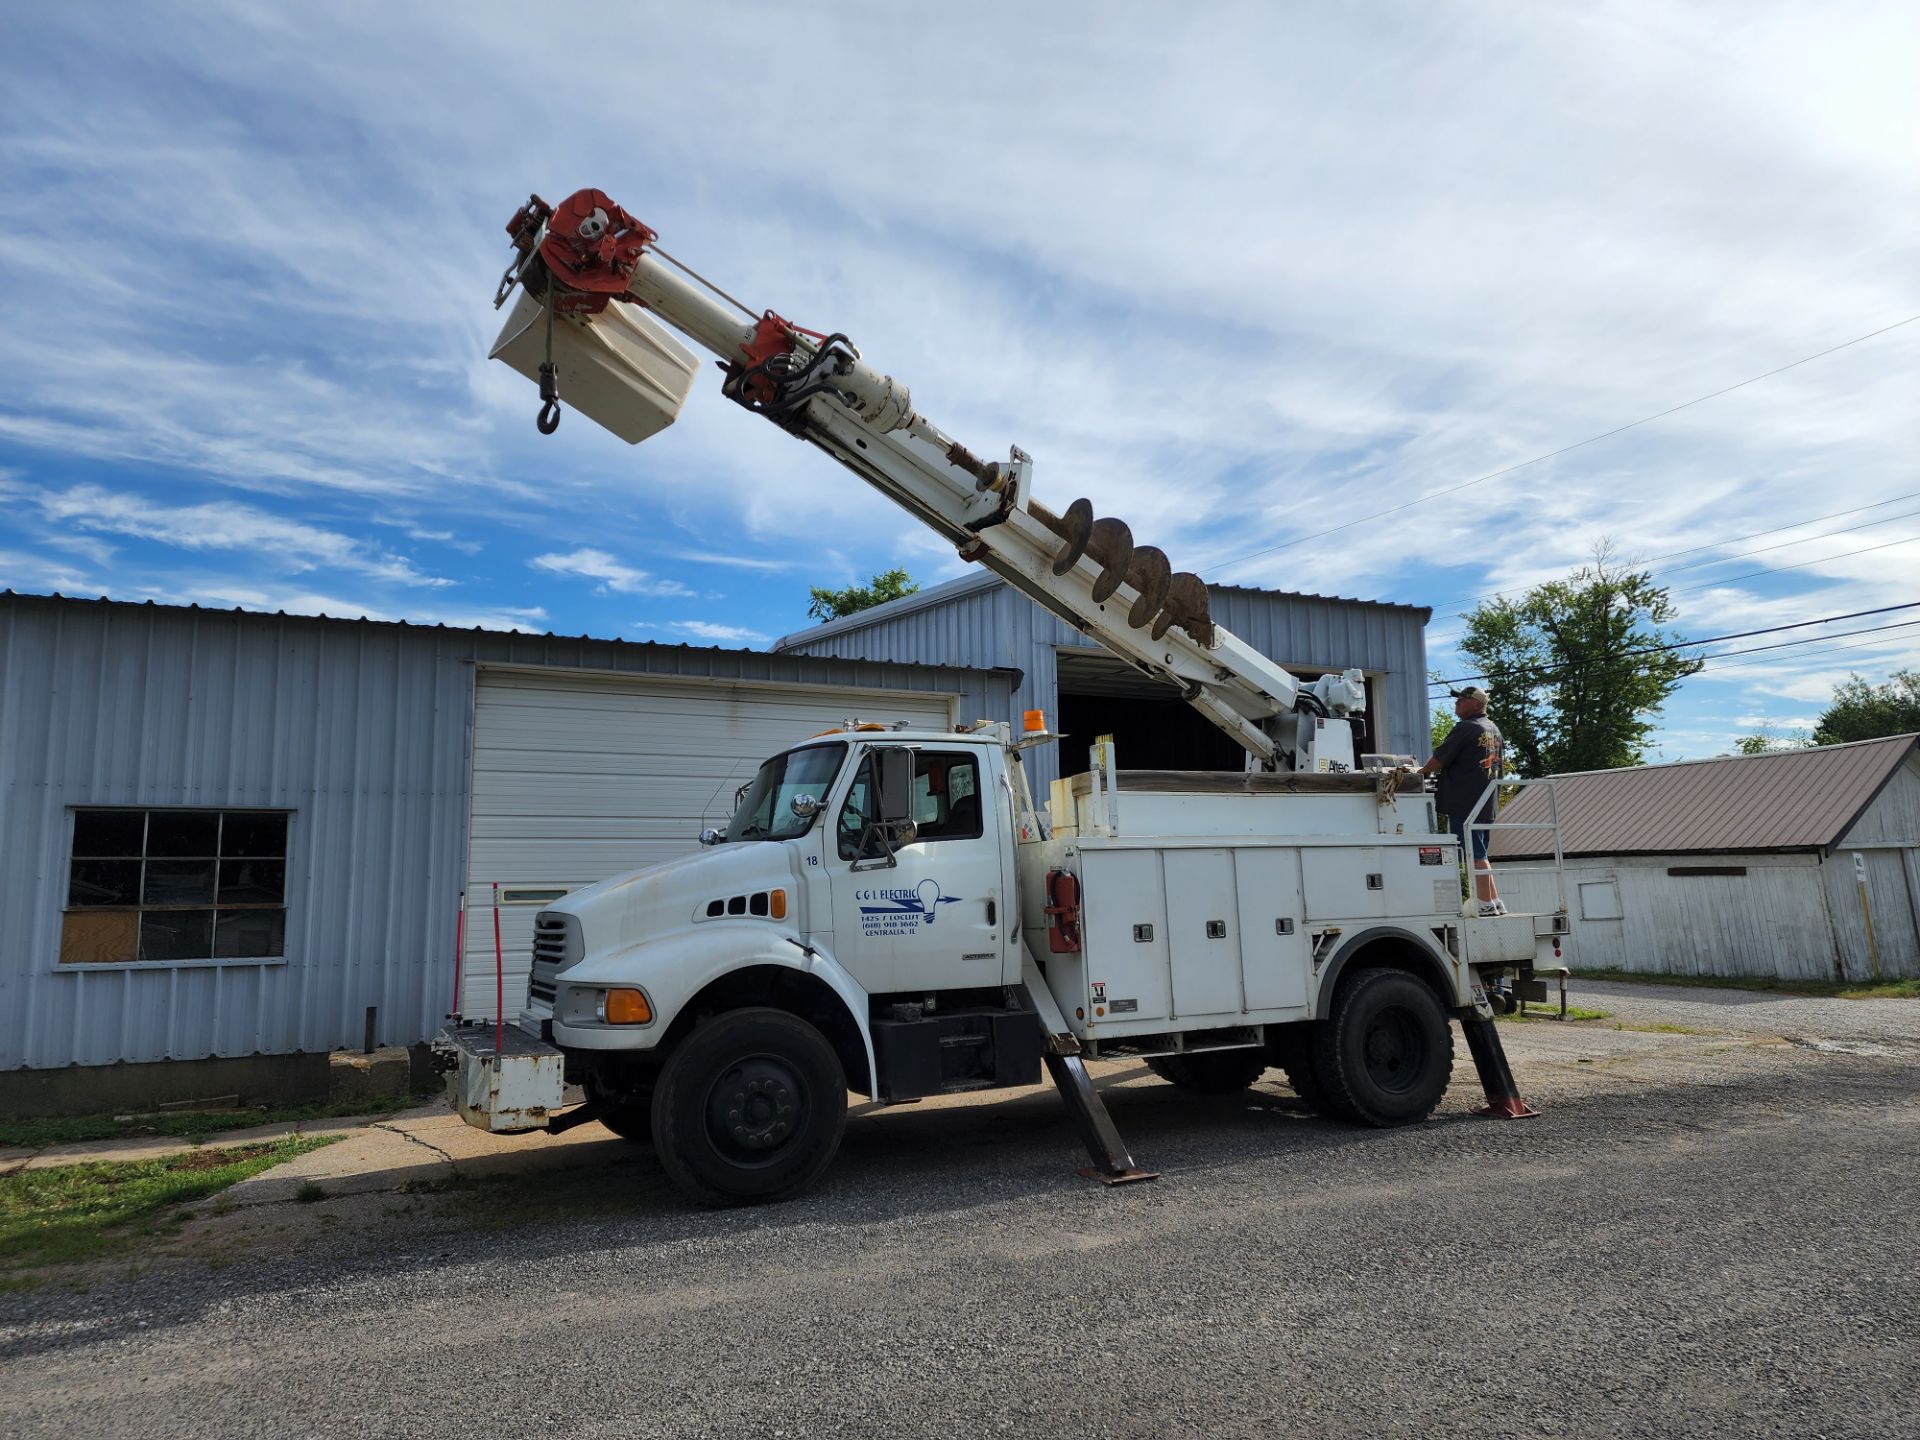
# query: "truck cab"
864 888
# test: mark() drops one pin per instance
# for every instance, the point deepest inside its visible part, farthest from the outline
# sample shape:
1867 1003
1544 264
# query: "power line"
1709 640
1803 655
1537 673
1783 544
1564 449
1730 540
1797 565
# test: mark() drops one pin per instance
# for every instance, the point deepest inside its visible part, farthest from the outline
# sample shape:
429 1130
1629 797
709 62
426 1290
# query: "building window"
176 885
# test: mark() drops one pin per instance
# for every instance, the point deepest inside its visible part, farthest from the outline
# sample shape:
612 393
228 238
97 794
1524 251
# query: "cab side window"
946 795
947 803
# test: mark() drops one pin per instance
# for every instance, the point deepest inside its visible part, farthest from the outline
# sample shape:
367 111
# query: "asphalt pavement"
1704 1234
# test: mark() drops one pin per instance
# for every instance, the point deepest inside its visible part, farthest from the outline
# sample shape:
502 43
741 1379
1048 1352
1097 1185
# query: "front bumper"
501 1081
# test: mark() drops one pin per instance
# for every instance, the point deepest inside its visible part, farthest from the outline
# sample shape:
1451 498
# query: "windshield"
766 806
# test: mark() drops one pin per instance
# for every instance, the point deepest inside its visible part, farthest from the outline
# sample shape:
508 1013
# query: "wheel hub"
754 1109
1394 1050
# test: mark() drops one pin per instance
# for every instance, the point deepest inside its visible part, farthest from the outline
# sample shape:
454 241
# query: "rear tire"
1385 1053
1212 1072
749 1108
1291 1048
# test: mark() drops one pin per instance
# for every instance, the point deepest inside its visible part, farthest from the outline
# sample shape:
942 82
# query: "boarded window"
175 885
1599 900
1684 870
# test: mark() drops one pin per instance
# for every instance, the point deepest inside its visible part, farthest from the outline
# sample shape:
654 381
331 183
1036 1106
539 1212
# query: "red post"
459 952
499 980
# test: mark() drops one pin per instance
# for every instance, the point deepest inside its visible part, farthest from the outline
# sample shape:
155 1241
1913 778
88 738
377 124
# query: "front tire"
749 1108
1385 1053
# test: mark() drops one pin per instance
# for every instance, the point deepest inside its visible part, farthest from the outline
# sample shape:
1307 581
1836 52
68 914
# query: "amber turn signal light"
627 1007
777 904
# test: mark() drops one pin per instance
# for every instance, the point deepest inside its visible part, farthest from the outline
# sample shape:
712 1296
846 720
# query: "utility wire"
1538 674
1564 449
1709 640
1784 544
1803 655
1797 565
1730 540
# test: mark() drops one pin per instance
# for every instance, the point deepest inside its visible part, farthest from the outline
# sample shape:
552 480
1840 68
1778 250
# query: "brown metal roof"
1788 800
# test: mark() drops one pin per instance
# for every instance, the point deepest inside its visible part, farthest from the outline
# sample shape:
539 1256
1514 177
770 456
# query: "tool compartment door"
1203 928
1274 952
1125 926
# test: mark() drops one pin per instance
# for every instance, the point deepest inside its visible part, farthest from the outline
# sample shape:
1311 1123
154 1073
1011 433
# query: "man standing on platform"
1466 761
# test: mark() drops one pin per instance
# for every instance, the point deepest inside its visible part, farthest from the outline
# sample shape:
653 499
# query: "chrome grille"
556 945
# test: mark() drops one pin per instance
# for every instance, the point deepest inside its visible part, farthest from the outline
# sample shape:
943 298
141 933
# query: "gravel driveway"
1704 1235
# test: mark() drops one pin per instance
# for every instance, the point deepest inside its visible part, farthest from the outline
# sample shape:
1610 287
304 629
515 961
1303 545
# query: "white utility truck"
891 912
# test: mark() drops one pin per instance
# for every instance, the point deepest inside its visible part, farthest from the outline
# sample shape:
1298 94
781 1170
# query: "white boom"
624 372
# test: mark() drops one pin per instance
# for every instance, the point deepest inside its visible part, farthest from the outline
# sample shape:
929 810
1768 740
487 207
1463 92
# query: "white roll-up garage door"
578 777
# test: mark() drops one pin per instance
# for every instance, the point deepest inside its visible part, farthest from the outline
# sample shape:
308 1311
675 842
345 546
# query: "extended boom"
614 364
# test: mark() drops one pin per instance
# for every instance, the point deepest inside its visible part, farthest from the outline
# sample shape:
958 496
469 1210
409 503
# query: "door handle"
993 914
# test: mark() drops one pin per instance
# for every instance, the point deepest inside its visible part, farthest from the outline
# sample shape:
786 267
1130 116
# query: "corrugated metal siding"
1791 800
360 729
997 626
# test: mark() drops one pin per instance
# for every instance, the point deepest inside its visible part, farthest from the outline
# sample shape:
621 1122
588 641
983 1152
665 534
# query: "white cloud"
1242 280
227 525
614 577
719 634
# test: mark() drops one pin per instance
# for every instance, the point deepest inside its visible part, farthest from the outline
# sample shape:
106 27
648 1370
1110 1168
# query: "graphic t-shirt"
1464 771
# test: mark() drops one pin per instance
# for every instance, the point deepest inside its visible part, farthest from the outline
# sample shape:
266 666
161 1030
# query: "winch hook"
549 418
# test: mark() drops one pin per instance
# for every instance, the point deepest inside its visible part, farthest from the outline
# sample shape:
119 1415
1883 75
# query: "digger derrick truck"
889 911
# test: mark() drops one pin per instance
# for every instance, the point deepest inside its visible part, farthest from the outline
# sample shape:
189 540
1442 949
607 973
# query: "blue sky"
1239 274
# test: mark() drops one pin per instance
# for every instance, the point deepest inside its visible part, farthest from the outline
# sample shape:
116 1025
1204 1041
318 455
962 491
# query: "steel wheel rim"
756 1110
1394 1050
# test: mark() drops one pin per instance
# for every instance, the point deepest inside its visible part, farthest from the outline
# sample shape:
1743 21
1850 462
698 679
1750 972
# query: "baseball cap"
1470 692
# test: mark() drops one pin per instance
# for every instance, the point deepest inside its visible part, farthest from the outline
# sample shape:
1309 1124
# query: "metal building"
231 834
1085 691
1801 864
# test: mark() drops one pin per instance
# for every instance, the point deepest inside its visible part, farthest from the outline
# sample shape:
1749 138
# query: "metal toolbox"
501 1080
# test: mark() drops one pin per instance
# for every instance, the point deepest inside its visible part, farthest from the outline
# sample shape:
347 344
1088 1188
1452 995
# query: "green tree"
1863 711
1764 742
832 604
1443 721
1574 680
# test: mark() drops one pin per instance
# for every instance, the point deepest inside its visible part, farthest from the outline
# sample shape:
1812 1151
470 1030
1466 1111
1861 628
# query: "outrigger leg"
1112 1162
1496 1078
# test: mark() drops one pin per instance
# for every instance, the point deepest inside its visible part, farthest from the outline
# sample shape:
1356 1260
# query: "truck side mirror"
896 786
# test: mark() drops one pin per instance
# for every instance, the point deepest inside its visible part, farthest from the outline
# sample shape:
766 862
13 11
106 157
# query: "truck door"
933 919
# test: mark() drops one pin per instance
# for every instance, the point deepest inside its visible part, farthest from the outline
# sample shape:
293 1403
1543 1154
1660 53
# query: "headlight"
594 1005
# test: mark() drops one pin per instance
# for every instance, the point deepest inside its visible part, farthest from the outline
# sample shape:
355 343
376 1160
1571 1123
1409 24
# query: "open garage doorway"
1152 727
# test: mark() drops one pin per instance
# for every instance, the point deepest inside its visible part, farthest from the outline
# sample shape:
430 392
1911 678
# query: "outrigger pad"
1116 1177
1514 1109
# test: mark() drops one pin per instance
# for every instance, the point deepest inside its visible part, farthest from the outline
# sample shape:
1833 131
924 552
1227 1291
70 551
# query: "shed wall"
997 626
362 730
1772 921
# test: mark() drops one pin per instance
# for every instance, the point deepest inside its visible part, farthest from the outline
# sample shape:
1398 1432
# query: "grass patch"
1850 990
194 1125
1552 1012
84 1212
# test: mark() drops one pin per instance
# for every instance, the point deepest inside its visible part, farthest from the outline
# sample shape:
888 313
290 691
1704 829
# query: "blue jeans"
1480 837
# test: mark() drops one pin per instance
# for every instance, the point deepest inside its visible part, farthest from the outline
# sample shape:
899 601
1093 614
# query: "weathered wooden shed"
1800 864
